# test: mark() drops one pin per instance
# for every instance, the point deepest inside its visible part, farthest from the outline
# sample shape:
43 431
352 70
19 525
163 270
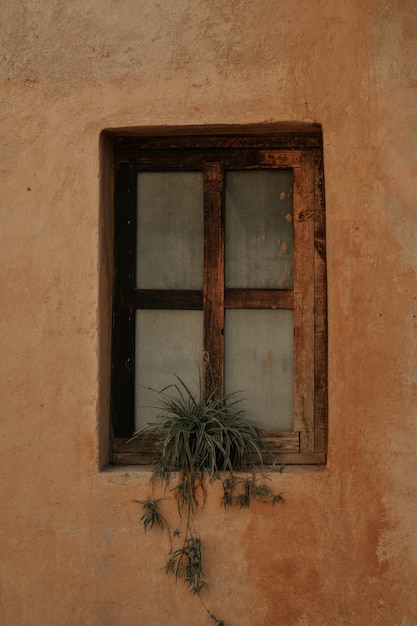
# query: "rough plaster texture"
343 549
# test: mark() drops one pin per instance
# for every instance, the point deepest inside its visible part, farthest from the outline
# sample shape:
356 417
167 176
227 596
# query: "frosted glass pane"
170 230
167 343
259 229
260 363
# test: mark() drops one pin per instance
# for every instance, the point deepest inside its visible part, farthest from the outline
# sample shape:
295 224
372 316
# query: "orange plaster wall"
342 550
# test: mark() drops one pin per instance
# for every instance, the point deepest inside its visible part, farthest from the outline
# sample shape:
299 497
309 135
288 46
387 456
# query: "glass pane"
259 363
259 229
168 343
170 230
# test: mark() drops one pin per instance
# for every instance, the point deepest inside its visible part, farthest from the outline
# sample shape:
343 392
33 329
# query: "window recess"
219 269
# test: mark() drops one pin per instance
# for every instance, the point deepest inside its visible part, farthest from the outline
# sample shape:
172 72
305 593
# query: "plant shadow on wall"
202 440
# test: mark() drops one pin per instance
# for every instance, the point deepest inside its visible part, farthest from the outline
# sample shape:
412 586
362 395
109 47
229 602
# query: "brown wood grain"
214 152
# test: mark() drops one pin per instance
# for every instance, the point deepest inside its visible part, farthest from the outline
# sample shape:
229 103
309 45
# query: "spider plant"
202 439
187 562
243 491
151 516
204 436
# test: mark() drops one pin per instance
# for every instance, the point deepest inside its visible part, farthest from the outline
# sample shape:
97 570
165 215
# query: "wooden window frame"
213 150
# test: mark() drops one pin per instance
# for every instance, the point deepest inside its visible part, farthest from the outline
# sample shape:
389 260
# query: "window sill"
285 447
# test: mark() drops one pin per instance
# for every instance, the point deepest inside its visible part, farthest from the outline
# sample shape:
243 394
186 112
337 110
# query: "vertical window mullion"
304 303
123 318
320 307
213 288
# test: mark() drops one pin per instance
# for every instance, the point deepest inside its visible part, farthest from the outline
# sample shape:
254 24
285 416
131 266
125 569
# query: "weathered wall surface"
342 550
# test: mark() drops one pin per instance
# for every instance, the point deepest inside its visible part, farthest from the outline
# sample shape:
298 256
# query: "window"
219 269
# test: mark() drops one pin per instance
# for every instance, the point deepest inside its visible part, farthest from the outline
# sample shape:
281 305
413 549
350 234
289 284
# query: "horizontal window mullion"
193 300
258 299
167 299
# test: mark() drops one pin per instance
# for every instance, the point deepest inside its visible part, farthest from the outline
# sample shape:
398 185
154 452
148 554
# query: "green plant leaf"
204 435
151 516
186 562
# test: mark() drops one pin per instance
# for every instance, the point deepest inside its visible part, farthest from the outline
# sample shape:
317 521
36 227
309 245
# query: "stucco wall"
342 550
